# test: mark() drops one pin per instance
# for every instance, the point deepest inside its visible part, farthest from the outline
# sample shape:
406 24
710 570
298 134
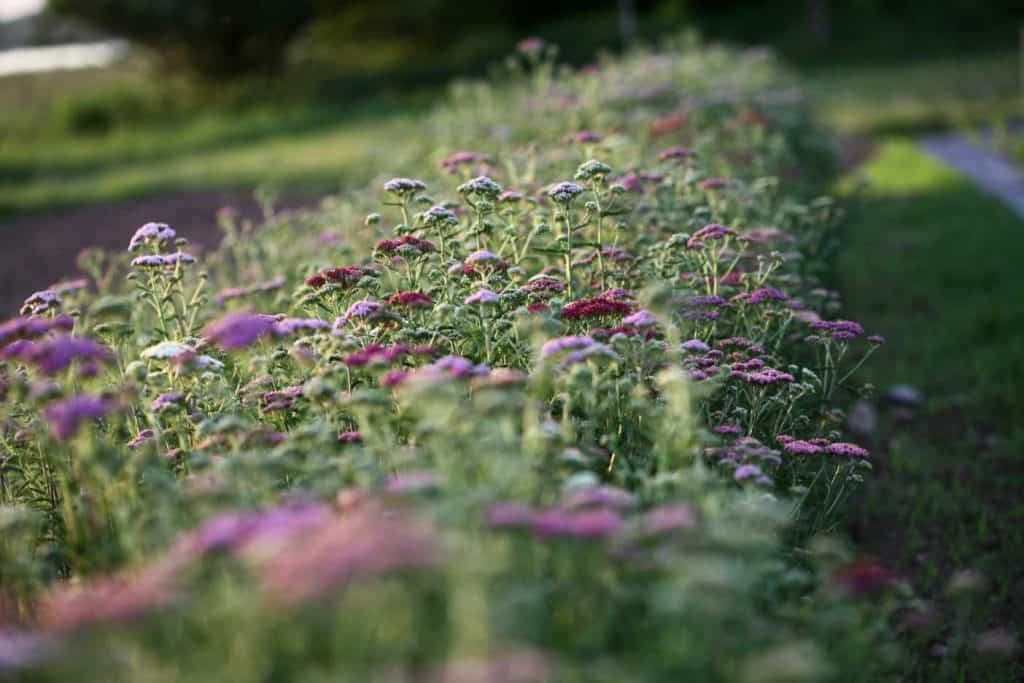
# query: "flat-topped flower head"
801 447
482 256
484 296
238 330
404 187
589 170
290 326
29 328
481 186
440 217
709 233
411 300
565 192
40 302
695 346
553 347
849 450
166 401
406 245
641 318
56 354
747 472
677 154
151 233
599 496
65 417
594 307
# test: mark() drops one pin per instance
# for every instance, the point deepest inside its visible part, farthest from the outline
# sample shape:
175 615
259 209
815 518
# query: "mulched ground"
37 250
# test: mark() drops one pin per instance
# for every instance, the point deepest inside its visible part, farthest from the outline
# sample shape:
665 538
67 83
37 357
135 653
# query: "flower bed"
542 410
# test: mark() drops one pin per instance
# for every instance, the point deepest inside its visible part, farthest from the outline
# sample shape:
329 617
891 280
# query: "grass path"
934 264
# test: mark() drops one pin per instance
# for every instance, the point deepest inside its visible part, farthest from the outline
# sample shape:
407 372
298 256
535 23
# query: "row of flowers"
558 396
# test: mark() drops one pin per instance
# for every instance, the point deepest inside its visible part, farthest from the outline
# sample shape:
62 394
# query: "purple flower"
876 339
289 326
727 430
40 302
745 472
149 261
709 233
799 447
439 216
364 309
481 186
56 354
676 154
238 330
583 524
482 256
166 400
695 346
484 296
404 186
565 192
641 318
151 232
764 294
66 416
847 449
556 346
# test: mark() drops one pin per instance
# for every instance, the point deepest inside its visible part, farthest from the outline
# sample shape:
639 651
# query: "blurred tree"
214 38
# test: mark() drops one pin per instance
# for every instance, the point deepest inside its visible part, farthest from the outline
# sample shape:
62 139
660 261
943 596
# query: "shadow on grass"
934 265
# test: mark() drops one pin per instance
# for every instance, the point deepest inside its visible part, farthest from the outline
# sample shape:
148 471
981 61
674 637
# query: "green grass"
934 265
915 96
287 144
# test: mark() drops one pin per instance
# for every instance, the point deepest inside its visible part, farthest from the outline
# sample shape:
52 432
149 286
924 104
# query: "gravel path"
988 171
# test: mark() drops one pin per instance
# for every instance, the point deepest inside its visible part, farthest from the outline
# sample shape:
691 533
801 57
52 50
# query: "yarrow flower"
481 186
56 354
40 302
849 450
596 306
484 296
709 233
592 169
695 346
676 154
28 328
439 216
406 244
482 256
289 326
555 346
411 299
565 192
238 330
151 232
166 400
641 318
65 417
404 187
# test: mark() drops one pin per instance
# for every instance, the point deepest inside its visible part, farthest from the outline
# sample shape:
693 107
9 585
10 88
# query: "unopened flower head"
481 186
589 170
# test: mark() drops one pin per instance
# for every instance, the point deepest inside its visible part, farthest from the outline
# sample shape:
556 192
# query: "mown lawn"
289 144
935 266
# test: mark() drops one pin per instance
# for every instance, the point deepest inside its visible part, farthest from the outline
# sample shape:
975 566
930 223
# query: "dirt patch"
37 250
